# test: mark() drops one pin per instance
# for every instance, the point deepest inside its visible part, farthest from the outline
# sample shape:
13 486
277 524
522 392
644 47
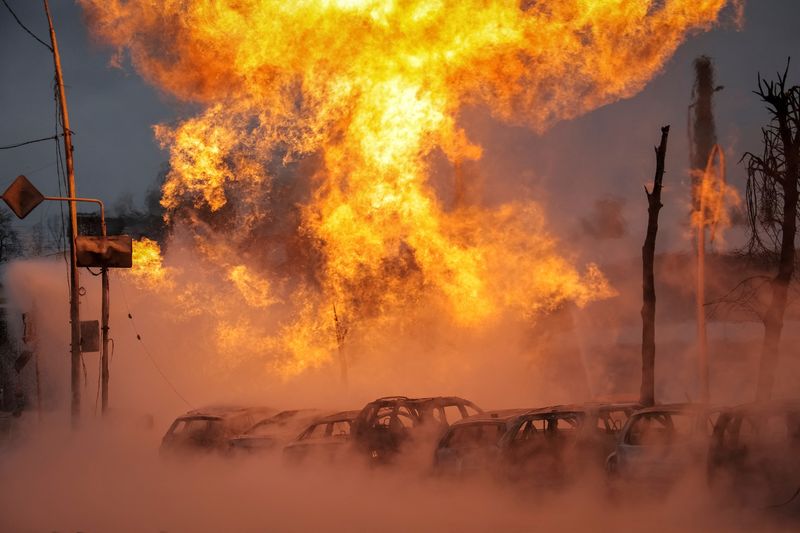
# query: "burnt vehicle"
326 438
472 444
754 454
386 425
209 429
273 432
659 444
554 445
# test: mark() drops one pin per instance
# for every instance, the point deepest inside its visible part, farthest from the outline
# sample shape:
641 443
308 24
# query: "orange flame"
374 88
148 270
715 196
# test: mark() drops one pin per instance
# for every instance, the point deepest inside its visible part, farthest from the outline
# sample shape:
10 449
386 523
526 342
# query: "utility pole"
74 311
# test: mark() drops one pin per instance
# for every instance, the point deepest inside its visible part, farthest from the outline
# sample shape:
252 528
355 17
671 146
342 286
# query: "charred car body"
210 429
754 455
386 425
554 444
472 444
325 438
659 444
542 446
273 432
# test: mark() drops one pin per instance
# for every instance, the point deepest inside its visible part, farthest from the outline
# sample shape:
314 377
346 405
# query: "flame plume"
353 97
715 197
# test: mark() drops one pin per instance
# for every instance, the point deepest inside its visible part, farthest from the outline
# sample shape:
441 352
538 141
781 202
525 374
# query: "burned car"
210 428
553 445
472 444
326 438
754 454
387 424
659 444
274 432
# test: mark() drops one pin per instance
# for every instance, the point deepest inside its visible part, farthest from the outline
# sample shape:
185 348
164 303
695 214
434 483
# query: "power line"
146 351
10 146
25 27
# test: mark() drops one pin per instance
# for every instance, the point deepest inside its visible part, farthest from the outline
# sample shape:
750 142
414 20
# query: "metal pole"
74 303
105 297
104 328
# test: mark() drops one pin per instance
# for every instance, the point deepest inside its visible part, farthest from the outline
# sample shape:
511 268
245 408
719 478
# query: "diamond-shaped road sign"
22 197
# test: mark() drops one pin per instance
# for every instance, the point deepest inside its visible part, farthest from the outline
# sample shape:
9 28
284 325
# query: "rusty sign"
115 251
22 197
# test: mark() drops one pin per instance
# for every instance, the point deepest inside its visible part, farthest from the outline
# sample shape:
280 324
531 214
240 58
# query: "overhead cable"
24 27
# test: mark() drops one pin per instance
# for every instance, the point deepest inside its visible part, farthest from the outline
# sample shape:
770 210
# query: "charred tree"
703 130
772 194
647 394
703 138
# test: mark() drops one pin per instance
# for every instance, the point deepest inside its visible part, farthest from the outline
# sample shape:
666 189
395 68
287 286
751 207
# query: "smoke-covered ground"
110 478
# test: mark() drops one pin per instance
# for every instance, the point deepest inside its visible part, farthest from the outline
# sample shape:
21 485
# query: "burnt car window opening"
199 425
530 429
470 410
265 428
660 429
340 428
475 435
178 427
612 421
396 419
317 431
437 414
453 413
562 424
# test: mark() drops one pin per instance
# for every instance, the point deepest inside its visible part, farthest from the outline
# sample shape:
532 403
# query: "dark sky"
606 154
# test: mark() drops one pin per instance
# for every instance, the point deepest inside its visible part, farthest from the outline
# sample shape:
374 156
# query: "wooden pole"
74 304
647 395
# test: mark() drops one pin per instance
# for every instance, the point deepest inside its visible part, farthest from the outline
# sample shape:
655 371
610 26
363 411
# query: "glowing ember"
368 90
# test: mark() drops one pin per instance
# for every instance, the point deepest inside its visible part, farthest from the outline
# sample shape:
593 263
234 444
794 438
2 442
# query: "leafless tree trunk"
772 181
647 395
702 140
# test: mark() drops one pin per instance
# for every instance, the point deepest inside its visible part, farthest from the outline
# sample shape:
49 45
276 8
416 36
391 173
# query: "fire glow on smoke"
369 91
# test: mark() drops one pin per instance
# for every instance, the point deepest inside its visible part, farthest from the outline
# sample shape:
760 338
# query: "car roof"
224 411
439 399
583 407
421 402
677 408
419 399
498 415
337 417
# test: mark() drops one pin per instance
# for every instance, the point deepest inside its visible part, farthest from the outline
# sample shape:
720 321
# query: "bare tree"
9 239
648 278
772 194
